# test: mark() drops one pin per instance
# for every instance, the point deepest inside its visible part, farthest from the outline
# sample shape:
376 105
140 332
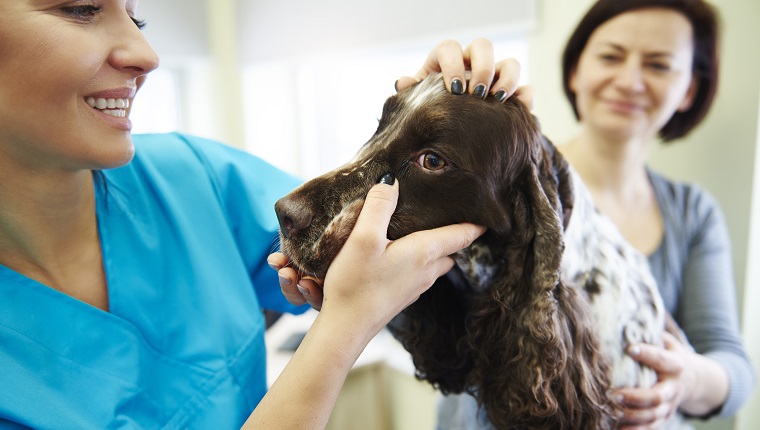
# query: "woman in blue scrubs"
133 270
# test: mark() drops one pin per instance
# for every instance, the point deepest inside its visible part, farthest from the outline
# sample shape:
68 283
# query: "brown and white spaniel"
535 318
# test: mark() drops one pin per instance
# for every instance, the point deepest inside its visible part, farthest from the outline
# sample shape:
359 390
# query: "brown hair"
704 22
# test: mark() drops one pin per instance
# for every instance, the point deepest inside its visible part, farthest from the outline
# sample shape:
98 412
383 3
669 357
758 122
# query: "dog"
535 318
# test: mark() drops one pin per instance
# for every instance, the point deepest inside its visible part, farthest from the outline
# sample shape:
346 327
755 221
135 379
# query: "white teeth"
119 113
102 104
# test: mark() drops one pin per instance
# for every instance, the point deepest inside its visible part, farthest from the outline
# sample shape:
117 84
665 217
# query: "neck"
45 218
608 166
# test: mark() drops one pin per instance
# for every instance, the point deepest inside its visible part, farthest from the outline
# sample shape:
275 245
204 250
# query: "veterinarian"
133 270
636 71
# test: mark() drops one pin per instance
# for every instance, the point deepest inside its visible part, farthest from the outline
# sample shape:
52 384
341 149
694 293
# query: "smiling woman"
133 269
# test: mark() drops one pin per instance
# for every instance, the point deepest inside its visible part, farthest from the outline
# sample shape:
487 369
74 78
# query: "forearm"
707 386
304 394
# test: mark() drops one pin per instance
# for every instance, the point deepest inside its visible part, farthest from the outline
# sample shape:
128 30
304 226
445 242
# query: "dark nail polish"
501 95
395 85
456 87
479 91
387 179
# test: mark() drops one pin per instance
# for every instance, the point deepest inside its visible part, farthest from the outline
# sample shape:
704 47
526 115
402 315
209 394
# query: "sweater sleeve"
707 308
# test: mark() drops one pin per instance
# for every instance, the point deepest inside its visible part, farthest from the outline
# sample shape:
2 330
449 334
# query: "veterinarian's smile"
115 107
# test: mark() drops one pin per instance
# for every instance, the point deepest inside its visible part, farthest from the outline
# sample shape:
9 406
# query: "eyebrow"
654 54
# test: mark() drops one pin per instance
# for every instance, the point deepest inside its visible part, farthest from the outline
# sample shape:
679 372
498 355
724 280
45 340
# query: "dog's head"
500 325
458 159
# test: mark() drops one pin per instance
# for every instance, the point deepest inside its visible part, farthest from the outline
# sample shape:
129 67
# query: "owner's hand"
649 408
486 76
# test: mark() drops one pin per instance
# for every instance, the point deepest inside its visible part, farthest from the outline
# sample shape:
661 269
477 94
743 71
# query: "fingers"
377 211
658 358
296 290
486 77
507 77
647 407
447 240
480 56
447 57
277 260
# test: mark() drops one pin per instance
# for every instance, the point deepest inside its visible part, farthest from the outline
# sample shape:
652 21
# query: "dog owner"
635 71
133 271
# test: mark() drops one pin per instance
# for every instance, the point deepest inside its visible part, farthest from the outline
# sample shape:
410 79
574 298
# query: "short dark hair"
704 22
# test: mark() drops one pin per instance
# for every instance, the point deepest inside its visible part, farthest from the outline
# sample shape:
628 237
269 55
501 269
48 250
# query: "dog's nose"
293 216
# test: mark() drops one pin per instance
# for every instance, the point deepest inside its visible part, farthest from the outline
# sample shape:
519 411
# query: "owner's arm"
707 312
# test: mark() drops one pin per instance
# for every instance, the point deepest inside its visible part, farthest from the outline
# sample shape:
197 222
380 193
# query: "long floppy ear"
536 360
563 180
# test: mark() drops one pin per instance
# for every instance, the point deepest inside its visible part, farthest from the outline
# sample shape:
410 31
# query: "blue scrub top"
185 229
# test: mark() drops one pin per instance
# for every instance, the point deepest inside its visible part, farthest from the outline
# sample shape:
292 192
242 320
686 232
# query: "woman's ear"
688 98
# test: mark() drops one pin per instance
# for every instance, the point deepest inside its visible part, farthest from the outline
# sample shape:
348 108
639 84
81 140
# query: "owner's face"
55 55
635 73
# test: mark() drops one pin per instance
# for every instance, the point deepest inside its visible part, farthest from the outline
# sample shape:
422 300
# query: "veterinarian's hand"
296 290
486 76
649 408
372 279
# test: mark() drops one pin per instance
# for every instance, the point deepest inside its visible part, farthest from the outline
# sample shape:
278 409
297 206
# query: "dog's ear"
536 364
561 173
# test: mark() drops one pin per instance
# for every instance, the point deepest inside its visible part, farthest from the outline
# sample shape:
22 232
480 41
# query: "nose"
132 52
630 76
292 215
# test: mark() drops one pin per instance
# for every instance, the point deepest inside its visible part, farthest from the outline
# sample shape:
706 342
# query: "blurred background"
302 83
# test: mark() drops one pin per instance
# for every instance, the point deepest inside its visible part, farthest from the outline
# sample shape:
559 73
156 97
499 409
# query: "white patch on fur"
420 94
597 255
478 266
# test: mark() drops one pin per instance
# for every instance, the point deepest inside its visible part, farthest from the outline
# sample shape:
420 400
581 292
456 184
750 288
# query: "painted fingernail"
303 290
284 280
395 85
456 87
274 266
479 91
500 95
387 179
634 350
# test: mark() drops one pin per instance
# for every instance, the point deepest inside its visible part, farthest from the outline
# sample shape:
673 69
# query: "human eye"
82 12
608 57
659 66
140 23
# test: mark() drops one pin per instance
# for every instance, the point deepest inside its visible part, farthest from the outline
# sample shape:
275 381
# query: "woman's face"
68 73
635 73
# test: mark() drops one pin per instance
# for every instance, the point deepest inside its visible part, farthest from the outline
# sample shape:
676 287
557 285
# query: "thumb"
378 208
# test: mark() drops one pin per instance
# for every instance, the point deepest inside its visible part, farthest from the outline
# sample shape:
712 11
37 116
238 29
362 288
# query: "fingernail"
501 95
303 290
284 280
457 87
634 350
479 91
387 179
274 266
395 85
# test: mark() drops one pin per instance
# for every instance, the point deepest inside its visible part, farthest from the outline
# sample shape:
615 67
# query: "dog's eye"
430 161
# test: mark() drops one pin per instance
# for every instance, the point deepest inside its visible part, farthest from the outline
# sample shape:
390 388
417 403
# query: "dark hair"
704 22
